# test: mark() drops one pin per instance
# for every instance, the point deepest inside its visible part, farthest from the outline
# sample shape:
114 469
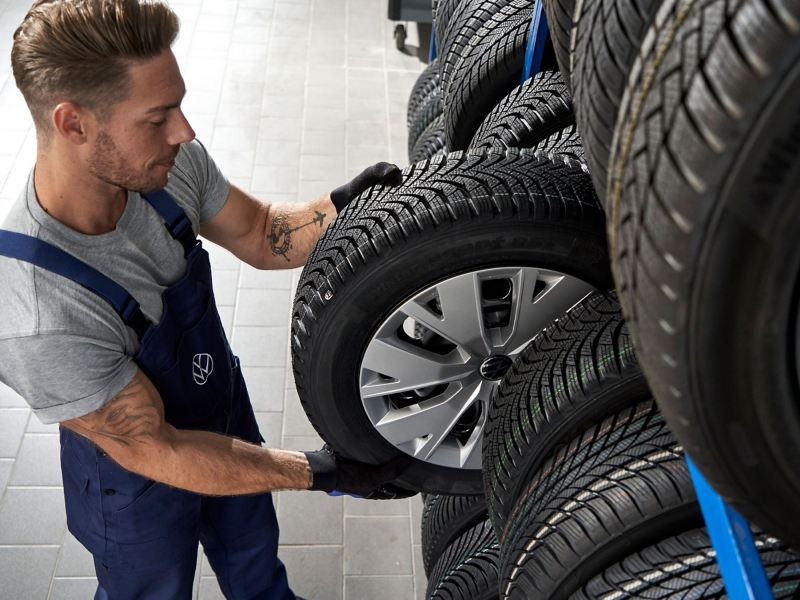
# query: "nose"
181 131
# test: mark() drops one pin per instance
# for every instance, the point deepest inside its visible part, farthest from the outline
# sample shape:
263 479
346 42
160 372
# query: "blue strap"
175 219
46 256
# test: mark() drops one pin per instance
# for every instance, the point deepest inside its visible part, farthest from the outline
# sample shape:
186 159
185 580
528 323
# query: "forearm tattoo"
281 234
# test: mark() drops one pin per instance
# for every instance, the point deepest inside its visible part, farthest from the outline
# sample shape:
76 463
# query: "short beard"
107 164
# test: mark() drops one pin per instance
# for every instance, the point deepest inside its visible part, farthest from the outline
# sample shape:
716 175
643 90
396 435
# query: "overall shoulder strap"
51 258
175 219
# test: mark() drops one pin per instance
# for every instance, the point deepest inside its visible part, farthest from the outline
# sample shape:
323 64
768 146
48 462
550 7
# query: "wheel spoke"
409 367
434 418
462 318
530 315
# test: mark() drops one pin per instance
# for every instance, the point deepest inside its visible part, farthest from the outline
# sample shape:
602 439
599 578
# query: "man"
108 322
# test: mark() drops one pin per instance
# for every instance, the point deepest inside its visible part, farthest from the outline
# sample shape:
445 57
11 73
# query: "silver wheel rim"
420 376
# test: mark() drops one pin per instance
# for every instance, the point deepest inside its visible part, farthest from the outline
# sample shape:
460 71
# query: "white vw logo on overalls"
202 367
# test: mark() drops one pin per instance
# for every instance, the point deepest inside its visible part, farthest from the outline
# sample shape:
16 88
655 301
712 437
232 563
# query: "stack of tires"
587 490
689 115
468 317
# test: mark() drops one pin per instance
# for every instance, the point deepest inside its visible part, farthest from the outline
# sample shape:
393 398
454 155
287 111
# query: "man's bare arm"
269 236
131 429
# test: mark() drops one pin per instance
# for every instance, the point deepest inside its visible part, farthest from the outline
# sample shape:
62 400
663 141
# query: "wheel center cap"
495 367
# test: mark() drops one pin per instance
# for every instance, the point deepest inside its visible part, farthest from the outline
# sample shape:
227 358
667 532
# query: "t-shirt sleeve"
64 376
211 187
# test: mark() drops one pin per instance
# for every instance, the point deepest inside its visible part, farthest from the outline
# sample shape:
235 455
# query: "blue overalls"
143 534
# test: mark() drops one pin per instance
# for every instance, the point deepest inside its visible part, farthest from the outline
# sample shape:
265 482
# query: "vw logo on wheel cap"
202 367
494 367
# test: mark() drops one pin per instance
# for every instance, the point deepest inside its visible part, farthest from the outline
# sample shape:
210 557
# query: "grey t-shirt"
63 348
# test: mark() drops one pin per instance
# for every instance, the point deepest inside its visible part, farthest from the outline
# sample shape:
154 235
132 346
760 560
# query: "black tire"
427 85
560 21
430 141
608 35
685 566
444 518
704 205
577 371
564 145
530 113
465 24
441 17
490 67
450 216
616 488
468 568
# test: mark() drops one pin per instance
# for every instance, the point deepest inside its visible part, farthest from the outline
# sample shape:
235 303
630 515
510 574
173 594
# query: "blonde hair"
80 51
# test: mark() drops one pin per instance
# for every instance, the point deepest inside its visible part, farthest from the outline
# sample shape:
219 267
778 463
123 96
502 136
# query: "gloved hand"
381 172
333 473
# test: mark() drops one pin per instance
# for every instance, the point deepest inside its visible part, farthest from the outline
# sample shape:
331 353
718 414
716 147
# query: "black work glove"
381 172
341 476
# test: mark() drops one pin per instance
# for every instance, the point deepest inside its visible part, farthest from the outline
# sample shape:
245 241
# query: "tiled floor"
292 97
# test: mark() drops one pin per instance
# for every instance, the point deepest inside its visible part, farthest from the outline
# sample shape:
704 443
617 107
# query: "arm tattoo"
281 233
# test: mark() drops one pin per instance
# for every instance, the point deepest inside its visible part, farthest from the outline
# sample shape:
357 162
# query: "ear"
70 122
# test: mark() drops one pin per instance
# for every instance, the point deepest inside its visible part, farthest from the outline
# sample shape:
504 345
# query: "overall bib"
143 534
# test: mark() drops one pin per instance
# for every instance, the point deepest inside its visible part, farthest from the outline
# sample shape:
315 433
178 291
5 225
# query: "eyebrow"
167 106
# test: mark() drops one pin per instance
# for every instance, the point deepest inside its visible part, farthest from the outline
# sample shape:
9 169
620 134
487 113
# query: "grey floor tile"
361 508
360 156
310 518
226 316
274 279
265 385
280 128
20 504
10 399
369 588
263 308
302 442
242 139
38 461
420 581
235 163
314 189
270 424
325 119
416 518
314 167
368 133
315 572
36 426
240 94
260 15
320 96
252 71
209 589
32 569
74 560
225 289
322 143
73 589
295 420
279 179
261 346
221 259
277 153
239 115
6 464
377 546
12 428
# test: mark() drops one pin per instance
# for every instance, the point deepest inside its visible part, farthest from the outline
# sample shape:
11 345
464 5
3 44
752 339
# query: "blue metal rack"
737 556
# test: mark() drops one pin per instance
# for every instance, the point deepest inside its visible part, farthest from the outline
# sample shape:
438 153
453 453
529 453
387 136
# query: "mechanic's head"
103 86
